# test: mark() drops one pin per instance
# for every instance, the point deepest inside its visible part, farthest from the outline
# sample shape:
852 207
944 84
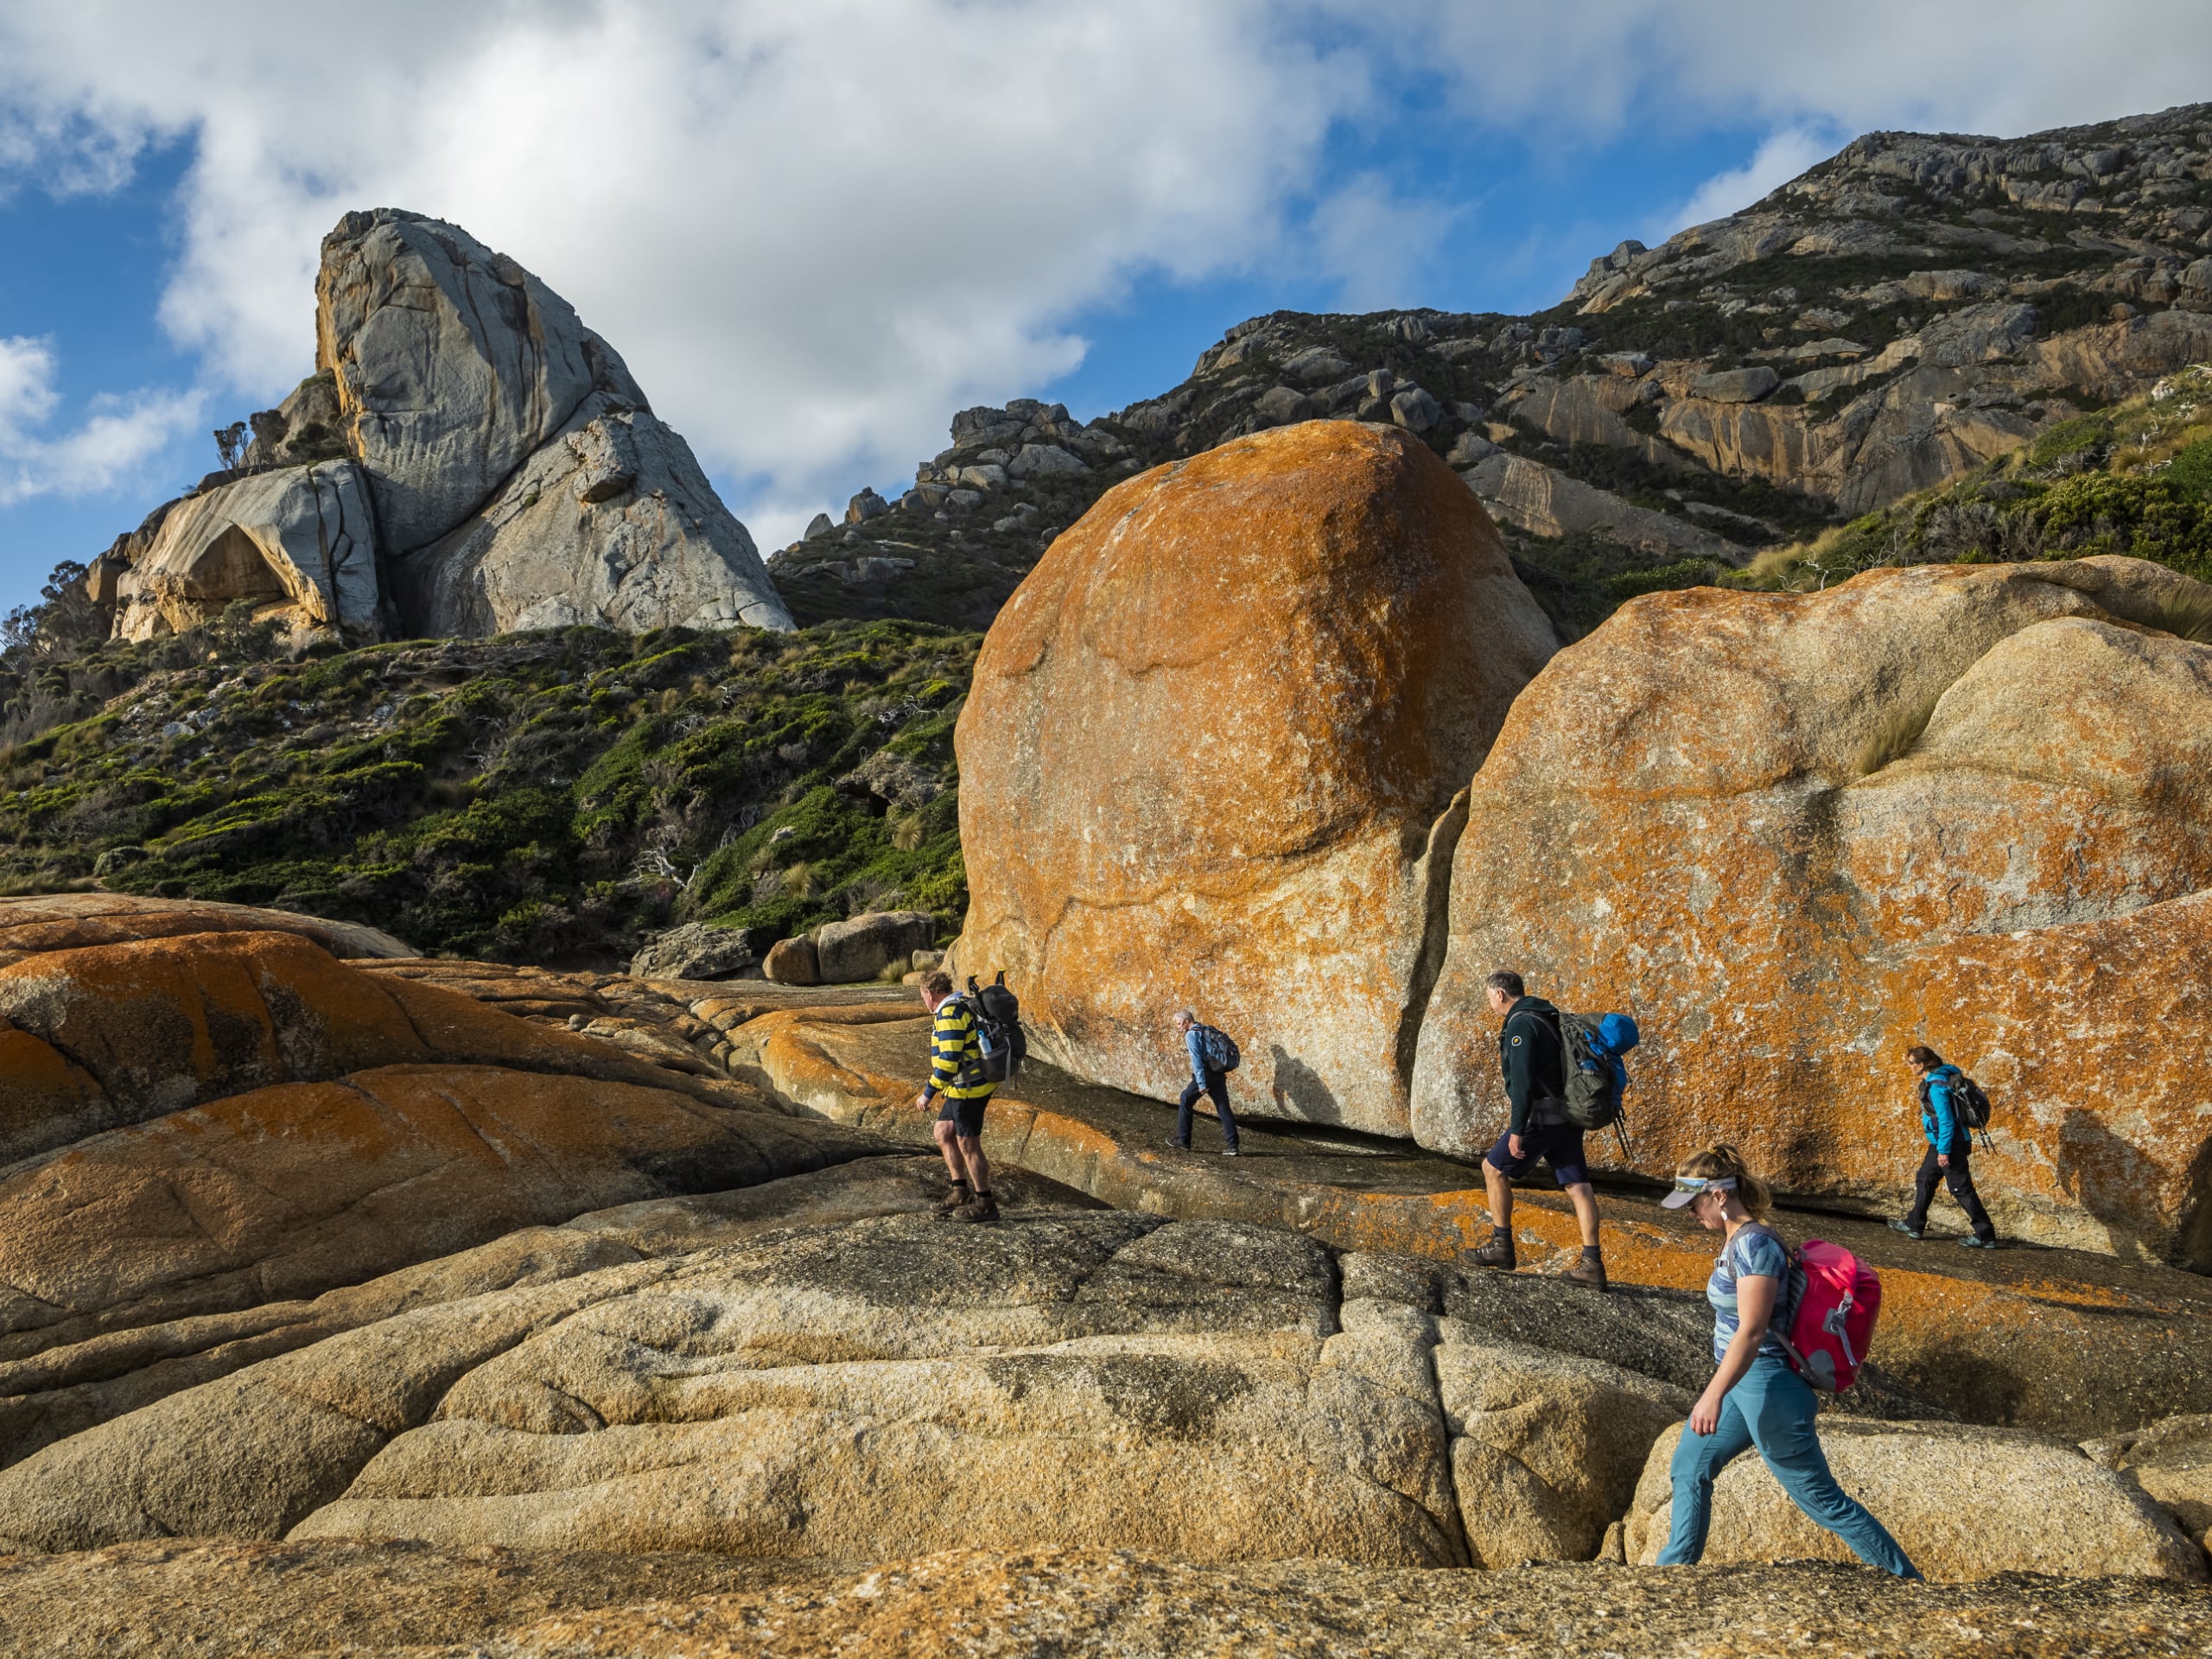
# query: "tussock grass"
2185 612
1894 737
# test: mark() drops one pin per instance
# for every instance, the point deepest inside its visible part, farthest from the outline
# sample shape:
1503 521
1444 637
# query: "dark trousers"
1216 1084
1959 1179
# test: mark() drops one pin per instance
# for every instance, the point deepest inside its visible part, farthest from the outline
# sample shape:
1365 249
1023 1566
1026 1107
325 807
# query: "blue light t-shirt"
1755 1252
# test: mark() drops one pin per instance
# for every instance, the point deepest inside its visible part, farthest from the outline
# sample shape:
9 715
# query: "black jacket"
1528 1052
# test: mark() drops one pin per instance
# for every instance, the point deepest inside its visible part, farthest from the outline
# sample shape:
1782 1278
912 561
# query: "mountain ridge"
1908 309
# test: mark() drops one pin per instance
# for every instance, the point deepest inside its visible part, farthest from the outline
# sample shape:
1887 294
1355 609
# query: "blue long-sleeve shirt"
1195 1040
1937 1116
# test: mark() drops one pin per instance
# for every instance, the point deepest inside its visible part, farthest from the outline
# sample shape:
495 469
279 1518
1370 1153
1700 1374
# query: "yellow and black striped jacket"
957 1053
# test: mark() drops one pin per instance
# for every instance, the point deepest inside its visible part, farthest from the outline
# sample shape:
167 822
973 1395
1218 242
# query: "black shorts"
966 1117
1561 1146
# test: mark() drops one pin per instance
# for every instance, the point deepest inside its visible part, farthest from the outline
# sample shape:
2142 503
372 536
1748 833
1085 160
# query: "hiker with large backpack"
1532 1051
1213 1056
959 1075
1952 1107
1779 1318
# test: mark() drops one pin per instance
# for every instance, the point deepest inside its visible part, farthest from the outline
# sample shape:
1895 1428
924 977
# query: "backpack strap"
1787 1296
971 1055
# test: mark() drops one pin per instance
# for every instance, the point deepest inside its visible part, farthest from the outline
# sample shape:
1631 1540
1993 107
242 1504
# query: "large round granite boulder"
1210 758
1795 834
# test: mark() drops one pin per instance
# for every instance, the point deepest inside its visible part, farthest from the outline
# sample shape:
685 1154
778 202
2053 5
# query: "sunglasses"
1687 1187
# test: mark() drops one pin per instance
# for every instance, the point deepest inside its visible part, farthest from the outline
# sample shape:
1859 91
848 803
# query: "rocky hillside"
556 795
1901 314
2135 478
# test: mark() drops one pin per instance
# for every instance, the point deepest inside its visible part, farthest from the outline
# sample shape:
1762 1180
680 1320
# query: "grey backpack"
1221 1051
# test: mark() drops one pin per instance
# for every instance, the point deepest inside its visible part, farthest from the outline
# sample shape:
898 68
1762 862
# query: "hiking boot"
1907 1228
1178 1146
960 1194
984 1209
1590 1270
1499 1252
1230 1152
1973 1243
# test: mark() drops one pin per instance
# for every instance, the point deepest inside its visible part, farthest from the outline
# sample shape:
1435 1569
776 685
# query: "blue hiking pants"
1216 1084
1773 1408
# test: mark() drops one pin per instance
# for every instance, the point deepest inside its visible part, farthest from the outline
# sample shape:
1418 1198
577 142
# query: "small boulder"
1469 448
1963 1502
865 946
1281 406
698 950
1548 1447
1317 365
791 962
1945 286
607 460
2172 1459
987 476
864 507
1415 410
1736 385
1042 459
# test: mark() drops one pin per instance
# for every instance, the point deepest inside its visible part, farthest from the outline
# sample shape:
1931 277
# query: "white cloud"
1376 245
117 436
1780 157
813 230
810 231
1583 71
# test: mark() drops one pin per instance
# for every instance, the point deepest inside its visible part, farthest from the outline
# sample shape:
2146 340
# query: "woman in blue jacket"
1950 1148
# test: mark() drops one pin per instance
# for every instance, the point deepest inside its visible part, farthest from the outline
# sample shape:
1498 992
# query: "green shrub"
535 796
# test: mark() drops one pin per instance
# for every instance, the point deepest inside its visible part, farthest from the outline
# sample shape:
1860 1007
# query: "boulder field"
1211 757
1225 742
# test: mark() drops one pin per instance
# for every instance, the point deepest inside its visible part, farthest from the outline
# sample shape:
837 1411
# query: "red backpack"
1833 1325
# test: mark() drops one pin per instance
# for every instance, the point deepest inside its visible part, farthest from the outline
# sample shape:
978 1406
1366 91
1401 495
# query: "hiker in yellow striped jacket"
957 1075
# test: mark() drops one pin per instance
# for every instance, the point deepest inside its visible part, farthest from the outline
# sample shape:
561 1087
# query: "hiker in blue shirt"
1950 1149
1755 1398
1206 1048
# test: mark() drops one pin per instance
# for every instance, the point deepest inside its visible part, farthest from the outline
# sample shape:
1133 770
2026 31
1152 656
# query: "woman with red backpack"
1756 1397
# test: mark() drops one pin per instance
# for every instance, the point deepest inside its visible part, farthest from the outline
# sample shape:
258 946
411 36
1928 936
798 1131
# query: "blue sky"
815 232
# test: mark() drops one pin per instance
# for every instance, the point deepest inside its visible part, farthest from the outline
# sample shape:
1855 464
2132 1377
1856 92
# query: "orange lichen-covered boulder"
69 921
113 1034
284 1193
1795 834
1211 755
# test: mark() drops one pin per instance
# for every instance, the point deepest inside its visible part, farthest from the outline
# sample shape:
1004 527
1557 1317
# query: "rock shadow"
1299 1092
